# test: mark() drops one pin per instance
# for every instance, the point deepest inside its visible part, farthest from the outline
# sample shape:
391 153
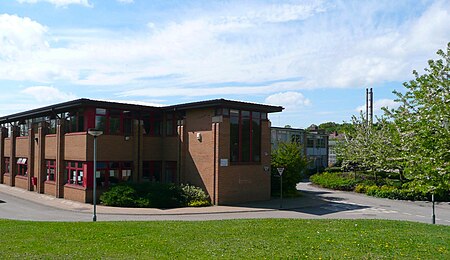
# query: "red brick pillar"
30 161
138 150
12 159
181 151
60 163
3 135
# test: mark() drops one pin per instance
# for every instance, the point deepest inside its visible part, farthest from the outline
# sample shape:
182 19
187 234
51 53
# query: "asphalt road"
316 203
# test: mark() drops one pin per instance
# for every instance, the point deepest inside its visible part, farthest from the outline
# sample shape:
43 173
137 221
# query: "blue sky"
315 58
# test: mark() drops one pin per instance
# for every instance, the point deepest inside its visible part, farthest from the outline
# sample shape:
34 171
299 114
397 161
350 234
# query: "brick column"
60 177
138 150
181 151
30 160
3 135
40 159
12 158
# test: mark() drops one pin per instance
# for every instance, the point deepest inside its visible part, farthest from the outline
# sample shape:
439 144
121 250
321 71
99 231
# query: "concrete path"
319 203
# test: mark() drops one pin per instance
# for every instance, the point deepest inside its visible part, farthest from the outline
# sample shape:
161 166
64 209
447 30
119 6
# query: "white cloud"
45 94
311 42
59 3
290 100
378 104
126 1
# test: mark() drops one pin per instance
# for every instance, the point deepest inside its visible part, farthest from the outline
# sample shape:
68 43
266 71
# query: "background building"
219 145
314 142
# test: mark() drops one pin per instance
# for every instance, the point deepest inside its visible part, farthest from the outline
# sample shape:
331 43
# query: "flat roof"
77 103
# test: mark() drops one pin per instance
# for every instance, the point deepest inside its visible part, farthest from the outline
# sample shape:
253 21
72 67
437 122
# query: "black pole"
281 191
433 217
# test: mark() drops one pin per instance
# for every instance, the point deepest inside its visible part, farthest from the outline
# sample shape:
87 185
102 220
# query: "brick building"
220 145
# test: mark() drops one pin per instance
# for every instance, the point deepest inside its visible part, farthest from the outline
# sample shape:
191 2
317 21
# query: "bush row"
386 188
154 195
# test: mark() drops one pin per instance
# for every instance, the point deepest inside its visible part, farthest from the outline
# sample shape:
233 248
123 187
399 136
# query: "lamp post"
95 133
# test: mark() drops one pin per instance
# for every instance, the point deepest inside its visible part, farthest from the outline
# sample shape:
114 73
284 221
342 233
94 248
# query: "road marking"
408 214
420 216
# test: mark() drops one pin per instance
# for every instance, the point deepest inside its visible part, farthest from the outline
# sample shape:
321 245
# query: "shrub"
290 156
334 181
194 196
154 195
120 196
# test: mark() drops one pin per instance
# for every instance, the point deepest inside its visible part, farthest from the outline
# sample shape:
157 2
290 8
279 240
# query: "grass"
229 239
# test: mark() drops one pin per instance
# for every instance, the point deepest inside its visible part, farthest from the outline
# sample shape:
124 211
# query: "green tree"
422 123
290 156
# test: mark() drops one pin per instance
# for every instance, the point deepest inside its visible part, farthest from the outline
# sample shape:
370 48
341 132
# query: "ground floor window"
110 173
170 171
51 169
151 170
22 167
75 173
7 165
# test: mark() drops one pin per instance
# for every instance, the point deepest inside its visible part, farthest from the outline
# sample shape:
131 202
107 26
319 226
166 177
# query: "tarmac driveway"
316 203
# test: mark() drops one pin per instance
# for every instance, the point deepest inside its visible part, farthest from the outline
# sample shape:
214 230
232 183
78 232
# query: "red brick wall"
199 161
50 147
240 183
7 147
22 147
21 182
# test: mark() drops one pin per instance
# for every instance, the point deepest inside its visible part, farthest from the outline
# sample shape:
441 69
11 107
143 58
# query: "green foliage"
331 127
154 195
334 181
411 140
422 124
384 188
225 239
194 196
290 156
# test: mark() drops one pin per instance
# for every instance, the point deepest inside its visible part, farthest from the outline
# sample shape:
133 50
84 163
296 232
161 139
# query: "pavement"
63 204
315 203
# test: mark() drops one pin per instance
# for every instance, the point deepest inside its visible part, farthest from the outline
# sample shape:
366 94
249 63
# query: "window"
171 124
111 173
7 170
22 167
310 143
100 119
170 172
23 128
112 121
321 143
245 136
127 123
75 173
75 122
153 124
115 118
51 169
151 170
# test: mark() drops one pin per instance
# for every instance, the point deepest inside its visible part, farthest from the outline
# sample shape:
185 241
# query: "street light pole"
95 133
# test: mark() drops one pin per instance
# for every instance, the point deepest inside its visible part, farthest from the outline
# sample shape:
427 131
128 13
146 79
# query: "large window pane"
100 123
234 136
245 136
256 139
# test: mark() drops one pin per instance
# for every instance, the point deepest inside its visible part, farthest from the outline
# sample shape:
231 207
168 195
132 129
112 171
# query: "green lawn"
267 238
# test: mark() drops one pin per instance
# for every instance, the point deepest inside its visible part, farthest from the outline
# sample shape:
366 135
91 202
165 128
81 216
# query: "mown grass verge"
230 239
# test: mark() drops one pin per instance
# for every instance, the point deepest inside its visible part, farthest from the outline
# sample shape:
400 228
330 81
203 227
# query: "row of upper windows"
110 121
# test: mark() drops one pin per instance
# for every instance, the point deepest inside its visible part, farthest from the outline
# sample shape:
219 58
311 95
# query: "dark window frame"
50 165
253 157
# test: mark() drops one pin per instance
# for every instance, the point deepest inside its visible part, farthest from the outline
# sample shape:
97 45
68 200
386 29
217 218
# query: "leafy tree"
290 156
331 127
422 122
